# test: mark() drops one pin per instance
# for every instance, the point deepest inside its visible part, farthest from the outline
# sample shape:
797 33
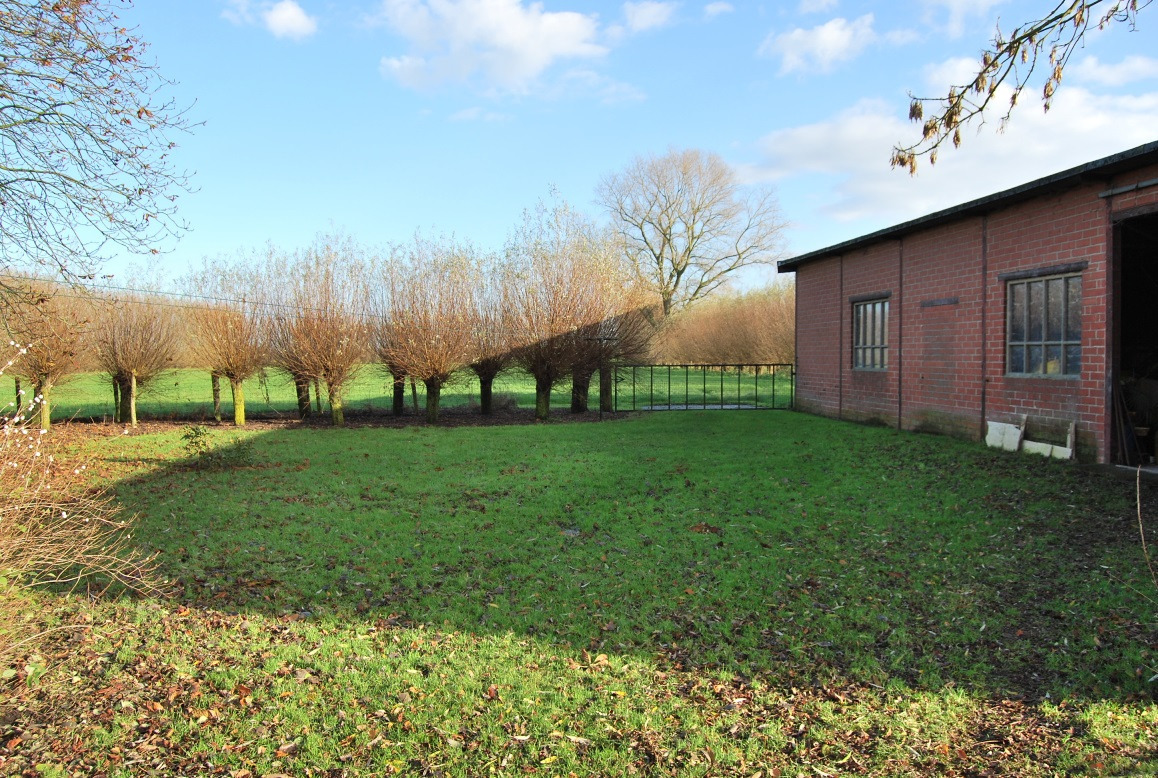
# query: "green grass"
187 394
692 594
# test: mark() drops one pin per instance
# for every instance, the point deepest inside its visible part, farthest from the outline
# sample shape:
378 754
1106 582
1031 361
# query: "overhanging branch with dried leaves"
1010 61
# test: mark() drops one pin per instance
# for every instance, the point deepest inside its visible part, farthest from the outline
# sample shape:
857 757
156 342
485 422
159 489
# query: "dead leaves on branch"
1010 61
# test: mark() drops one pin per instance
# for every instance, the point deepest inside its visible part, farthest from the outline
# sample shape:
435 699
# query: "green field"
674 594
187 394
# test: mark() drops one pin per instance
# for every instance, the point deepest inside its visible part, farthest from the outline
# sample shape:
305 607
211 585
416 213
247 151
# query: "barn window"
1044 326
870 335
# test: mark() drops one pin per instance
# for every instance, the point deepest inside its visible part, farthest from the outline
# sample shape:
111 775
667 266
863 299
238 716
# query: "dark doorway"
1137 414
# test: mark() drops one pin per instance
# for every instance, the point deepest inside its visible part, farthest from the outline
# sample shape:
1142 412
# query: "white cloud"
821 48
844 160
902 37
958 11
238 12
287 19
712 10
951 72
647 15
816 6
1134 68
607 90
502 45
477 114
284 19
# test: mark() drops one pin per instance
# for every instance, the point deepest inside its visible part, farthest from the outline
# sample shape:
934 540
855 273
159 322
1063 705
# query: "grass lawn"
187 394
687 593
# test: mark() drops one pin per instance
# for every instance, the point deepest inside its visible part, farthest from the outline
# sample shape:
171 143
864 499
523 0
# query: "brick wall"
871 395
947 319
1043 233
819 347
941 370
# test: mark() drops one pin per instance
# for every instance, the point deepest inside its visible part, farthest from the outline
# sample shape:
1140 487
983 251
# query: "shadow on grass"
788 547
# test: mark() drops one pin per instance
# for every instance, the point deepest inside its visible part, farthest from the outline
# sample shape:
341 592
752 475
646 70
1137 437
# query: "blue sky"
382 117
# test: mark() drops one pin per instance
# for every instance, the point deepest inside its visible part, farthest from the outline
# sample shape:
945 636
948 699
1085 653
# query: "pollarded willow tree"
620 330
382 331
86 137
688 224
230 327
428 332
492 328
553 293
1011 60
134 339
318 312
48 322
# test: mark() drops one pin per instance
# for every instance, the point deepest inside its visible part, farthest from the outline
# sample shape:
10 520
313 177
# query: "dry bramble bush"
757 327
54 529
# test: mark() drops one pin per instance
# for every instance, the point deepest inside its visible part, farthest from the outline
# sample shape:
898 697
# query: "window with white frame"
1044 326
870 335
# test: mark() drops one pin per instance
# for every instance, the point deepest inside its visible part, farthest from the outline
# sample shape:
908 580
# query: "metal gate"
704 387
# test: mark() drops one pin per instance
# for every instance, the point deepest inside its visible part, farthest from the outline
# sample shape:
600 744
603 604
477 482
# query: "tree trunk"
216 396
116 399
19 395
238 402
414 393
337 411
302 385
433 396
399 393
44 407
133 399
124 396
606 389
542 398
580 388
486 394
318 395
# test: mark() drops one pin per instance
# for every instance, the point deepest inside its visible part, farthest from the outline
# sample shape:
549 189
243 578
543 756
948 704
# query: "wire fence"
704 387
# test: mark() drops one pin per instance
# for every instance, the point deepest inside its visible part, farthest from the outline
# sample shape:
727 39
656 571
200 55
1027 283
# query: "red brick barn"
1036 306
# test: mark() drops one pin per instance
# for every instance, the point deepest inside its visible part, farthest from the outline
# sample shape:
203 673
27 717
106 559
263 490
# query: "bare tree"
382 330
48 322
688 225
231 332
491 327
620 330
1011 60
431 306
553 295
134 339
85 138
319 316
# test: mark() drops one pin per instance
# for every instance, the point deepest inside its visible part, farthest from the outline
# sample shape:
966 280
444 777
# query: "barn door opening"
1136 414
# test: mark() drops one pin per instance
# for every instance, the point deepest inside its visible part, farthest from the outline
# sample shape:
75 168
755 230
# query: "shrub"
756 327
54 529
203 453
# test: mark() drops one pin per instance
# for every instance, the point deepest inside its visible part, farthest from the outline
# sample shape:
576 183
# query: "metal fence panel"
704 387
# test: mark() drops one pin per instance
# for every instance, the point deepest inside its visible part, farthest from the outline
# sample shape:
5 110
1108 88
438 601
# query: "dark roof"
1098 170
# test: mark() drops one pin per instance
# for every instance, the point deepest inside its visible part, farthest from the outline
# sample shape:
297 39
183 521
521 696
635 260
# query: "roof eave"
1098 170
